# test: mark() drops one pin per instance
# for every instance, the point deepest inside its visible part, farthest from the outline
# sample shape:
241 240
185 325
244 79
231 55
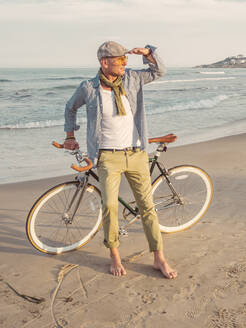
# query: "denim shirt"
88 93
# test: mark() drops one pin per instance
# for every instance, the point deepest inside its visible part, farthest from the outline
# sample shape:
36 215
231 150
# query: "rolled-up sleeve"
75 102
155 70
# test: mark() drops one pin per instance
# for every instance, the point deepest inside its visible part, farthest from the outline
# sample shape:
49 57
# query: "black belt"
123 149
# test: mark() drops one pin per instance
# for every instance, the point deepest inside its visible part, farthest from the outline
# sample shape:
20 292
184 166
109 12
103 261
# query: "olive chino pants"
135 166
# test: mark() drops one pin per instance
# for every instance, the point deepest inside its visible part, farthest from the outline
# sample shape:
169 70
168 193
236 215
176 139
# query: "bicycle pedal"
123 232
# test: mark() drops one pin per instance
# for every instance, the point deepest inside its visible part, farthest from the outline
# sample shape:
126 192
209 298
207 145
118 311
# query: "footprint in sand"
234 270
196 308
149 297
234 281
223 318
186 292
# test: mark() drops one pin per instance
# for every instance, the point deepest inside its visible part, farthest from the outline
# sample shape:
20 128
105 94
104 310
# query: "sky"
67 33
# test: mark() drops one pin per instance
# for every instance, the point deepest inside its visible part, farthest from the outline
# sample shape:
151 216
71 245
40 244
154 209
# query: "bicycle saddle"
164 139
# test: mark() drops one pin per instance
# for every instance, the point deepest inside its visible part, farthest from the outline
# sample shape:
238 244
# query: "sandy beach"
210 259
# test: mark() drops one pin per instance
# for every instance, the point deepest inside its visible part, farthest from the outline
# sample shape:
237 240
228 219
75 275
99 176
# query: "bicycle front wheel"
52 228
182 207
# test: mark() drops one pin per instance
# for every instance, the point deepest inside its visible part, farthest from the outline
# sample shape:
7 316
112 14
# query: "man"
117 139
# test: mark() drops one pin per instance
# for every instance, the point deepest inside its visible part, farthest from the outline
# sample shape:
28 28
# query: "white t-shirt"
117 131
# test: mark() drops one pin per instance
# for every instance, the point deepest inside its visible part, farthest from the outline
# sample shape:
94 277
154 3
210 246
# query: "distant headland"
238 61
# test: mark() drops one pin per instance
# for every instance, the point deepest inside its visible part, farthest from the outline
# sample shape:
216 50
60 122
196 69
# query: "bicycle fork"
175 195
82 184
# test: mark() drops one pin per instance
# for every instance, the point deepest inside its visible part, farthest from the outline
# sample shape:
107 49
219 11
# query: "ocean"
196 104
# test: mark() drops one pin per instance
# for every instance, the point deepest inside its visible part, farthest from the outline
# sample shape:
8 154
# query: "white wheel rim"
206 180
59 250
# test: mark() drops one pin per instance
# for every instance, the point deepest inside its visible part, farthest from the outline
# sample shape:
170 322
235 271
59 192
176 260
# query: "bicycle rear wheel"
195 190
49 226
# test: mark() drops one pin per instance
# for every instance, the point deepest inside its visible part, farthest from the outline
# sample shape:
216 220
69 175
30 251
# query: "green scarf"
118 89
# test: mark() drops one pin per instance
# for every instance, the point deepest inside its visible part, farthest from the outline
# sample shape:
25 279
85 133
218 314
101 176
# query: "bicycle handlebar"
75 167
84 168
162 140
57 145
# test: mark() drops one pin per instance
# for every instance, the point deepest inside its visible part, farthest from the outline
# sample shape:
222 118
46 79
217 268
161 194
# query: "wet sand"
210 258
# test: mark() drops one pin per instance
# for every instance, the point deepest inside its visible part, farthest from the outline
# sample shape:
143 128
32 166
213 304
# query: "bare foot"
116 268
161 264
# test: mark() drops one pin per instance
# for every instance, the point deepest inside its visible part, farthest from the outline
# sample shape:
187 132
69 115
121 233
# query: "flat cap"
111 49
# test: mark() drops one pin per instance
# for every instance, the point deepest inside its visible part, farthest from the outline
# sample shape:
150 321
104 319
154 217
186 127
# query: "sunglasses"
119 60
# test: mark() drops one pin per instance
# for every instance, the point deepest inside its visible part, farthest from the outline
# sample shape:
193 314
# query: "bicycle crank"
123 232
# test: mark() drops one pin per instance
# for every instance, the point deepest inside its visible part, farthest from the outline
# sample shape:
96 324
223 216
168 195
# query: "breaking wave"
5 80
36 125
33 125
191 105
68 78
194 80
204 72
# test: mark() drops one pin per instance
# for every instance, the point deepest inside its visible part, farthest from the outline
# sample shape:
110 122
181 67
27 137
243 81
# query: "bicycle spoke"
177 217
66 197
53 235
54 206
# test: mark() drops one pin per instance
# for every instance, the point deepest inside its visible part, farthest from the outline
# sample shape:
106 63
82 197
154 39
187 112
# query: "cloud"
88 11
63 10
241 1
48 30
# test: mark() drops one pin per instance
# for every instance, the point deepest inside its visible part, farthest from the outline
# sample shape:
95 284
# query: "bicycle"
68 215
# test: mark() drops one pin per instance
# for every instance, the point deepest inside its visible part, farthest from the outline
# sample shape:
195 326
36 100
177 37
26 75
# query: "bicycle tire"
195 189
47 227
